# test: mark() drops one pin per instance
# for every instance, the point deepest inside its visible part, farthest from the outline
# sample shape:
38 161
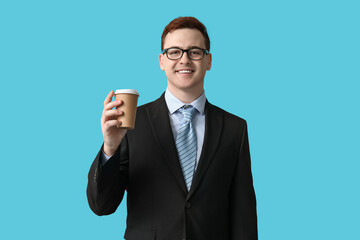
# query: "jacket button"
188 205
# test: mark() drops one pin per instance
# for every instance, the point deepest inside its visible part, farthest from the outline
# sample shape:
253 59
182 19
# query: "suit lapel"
158 115
213 128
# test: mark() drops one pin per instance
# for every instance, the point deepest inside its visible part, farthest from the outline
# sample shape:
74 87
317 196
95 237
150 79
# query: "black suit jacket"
221 202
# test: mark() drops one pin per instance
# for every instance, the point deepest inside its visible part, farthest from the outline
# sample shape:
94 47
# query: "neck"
186 96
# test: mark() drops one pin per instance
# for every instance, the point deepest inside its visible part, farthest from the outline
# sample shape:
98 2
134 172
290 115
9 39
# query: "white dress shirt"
173 104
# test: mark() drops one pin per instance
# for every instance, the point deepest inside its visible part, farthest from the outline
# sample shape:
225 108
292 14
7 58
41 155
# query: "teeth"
185 71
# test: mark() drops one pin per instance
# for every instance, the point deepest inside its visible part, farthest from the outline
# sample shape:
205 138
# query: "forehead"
184 38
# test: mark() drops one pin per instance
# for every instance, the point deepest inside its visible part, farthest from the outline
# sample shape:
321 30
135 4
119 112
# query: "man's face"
191 80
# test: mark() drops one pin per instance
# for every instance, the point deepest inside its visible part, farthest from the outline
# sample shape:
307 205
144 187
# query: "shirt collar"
173 103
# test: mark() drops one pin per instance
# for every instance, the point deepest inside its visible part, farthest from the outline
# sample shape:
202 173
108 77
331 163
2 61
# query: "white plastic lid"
129 91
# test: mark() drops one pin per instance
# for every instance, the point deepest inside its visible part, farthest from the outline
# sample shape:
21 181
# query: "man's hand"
109 125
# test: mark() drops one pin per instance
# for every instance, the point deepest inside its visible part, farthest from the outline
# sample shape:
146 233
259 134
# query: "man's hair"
186 22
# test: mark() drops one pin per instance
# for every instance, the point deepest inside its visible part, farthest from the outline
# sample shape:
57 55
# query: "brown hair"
186 22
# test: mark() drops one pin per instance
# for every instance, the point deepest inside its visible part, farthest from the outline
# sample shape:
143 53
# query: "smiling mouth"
187 71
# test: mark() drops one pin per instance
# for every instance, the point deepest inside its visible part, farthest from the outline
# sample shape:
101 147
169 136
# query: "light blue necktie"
186 144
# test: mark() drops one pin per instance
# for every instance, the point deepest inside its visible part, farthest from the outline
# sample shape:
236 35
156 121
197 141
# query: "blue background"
290 68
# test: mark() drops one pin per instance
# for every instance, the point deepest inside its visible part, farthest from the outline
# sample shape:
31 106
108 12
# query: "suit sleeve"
242 196
108 182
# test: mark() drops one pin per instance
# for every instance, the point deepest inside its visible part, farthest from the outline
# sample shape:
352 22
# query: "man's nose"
185 58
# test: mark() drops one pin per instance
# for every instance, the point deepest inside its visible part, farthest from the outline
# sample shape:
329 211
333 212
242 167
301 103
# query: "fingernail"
119 125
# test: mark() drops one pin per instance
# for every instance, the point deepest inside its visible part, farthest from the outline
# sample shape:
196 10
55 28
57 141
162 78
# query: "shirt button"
188 205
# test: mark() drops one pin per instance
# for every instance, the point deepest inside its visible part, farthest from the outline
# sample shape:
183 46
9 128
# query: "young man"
186 166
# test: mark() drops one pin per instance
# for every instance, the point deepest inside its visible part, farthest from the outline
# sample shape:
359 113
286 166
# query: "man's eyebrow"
186 48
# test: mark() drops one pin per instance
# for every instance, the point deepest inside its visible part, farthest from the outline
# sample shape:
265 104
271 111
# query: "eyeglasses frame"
187 52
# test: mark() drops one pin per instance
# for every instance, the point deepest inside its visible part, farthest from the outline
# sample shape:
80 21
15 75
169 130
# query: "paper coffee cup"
129 106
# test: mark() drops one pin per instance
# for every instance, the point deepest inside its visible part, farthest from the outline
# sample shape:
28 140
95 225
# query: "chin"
189 87
185 84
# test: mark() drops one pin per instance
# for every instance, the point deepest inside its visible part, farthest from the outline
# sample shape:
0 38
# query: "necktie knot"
188 113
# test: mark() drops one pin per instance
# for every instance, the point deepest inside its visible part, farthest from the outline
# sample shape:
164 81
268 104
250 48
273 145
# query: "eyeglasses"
194 53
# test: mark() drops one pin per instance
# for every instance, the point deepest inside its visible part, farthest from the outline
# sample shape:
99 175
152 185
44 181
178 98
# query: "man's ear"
161 59
208 67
